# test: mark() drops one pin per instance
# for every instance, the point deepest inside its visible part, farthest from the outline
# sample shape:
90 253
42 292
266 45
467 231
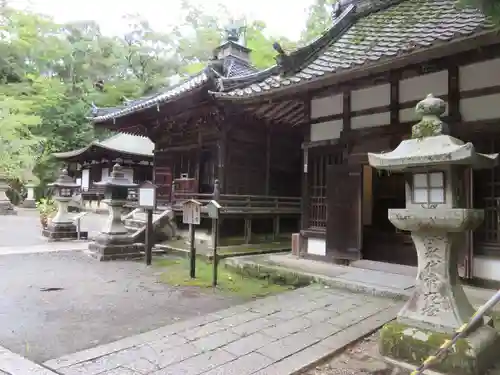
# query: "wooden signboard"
191 212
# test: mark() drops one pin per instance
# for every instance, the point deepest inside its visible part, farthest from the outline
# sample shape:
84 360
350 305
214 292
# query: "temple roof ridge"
366 33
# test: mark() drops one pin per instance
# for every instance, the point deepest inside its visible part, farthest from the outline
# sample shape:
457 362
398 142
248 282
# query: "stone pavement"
277 335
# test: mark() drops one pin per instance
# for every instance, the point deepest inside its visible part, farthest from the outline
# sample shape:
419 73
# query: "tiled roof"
380 31
123 143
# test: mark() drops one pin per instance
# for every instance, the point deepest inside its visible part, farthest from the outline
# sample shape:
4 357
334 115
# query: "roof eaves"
171 92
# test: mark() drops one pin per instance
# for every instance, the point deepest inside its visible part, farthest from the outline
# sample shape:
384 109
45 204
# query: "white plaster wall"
368 121
326 130
486 268
417 88
478 75
328 105
371 97
104 174
316 246
85 179
480 108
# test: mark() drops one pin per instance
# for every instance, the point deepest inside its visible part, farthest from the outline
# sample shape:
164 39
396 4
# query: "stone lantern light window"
428 187
66 192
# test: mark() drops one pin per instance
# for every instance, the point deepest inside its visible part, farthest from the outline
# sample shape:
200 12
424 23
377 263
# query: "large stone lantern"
6 207
114 242
435 215
62 227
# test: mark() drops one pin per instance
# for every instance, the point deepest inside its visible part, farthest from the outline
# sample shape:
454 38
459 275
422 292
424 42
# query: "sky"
282 17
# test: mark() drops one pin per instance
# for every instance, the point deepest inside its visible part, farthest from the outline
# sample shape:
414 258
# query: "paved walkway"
273 336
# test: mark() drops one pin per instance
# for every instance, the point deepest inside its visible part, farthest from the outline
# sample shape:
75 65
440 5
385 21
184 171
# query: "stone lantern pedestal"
6 207
62 227
435 215
114 241
30 201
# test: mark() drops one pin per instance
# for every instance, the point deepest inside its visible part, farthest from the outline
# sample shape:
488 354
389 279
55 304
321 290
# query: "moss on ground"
176 272
414 346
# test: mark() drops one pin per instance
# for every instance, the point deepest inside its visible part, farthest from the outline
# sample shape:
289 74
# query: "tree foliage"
51 73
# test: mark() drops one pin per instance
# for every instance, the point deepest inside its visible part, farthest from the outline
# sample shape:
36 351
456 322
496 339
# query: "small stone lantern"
6 207
30 202
435 215
114 241
62 227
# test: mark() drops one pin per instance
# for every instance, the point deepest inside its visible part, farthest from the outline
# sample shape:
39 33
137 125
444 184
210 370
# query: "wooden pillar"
453 97
248 230
304 224
394 105
268 160
221 161
276 227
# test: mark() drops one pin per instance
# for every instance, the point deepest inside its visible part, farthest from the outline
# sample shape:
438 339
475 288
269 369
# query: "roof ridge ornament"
430 110
339 6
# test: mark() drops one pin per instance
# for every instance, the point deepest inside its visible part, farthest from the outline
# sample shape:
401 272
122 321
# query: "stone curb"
170 250
14 364
247 266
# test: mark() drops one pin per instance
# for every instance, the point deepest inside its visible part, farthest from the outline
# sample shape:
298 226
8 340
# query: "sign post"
191 214
213 209
147 201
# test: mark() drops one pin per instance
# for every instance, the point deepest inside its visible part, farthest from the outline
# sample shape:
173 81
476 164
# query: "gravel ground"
98 302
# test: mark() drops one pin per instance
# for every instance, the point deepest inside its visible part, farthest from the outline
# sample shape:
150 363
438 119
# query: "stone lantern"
61 226
6 207
30 202
435 215
114 242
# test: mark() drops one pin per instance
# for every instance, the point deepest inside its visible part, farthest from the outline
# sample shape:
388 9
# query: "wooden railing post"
172 194
216 193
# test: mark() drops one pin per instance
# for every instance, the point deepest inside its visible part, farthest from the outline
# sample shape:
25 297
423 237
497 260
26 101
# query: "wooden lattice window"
318 161
486 188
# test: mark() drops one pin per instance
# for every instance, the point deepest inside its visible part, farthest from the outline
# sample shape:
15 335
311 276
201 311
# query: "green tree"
18 145
319 19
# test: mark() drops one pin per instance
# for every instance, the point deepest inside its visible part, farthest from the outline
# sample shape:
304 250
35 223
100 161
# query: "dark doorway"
383 242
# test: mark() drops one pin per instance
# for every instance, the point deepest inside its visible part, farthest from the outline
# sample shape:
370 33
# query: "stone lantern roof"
430 145
64 181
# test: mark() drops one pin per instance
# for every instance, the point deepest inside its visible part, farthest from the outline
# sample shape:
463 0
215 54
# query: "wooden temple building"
205 151
94 162
357 86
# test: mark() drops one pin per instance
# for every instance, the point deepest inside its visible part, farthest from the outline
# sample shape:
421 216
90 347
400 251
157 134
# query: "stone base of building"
29 203
7 208
59 232
115 246
473 355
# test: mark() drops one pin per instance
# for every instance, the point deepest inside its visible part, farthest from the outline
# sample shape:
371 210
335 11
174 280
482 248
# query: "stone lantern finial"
430 110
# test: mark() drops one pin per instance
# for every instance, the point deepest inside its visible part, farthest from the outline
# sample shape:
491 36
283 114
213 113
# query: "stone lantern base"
60 231
115 246
401 344
7 208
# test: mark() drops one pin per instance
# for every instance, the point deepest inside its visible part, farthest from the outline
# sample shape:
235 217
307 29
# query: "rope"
459 333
